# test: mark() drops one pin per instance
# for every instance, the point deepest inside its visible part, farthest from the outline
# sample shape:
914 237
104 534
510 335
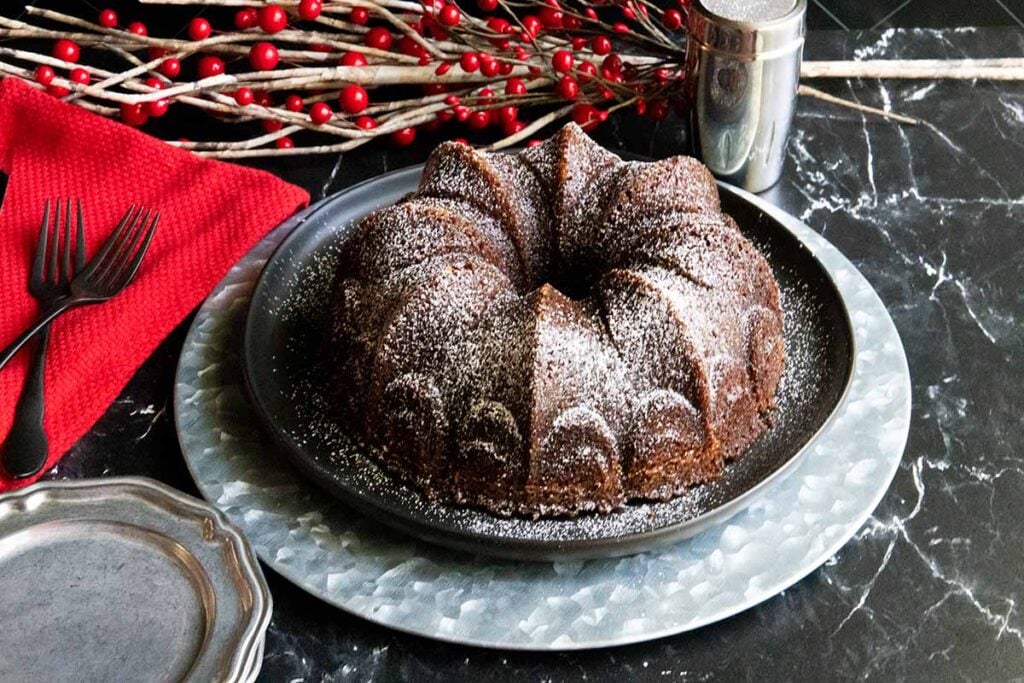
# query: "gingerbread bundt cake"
556 331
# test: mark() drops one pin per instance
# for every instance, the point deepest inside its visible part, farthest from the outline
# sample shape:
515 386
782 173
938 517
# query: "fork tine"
39 264
124 250
101 258
126 275
79 242
54 274
66 274
124 272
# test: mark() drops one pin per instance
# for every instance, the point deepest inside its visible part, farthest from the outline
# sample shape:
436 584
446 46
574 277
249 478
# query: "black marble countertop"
933 215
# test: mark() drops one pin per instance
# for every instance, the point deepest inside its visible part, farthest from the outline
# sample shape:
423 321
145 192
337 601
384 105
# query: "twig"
824 96
983 69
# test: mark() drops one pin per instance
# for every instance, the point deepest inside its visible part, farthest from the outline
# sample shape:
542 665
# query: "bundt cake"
556 331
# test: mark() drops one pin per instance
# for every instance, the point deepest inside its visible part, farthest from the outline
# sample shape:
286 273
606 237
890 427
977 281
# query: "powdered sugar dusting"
436 316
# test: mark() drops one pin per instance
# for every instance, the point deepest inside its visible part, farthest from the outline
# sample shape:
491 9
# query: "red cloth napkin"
211 213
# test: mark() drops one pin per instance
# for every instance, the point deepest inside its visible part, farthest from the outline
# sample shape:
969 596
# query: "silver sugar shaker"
743 62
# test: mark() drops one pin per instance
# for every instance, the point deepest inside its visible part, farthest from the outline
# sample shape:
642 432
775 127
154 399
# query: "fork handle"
42 321
24 451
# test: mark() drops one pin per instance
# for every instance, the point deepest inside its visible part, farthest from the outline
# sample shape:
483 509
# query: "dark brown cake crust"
556 331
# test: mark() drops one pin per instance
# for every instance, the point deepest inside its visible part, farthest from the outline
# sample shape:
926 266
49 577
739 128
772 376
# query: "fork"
23 452
103 278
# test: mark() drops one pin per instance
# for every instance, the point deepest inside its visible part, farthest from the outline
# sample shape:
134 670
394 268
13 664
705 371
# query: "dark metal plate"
287 376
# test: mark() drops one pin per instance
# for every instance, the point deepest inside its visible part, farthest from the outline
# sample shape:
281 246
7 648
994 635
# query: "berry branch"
306 70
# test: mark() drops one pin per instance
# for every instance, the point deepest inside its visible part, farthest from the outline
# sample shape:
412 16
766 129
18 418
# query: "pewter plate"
125 579
288 366
362 566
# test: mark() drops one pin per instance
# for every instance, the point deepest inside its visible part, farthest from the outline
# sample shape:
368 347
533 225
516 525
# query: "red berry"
310 9
108 18
515 86
601 45
404 137
657 110
199 29
360 15
551 18
619 27
273 19
586 115
469 62
587 71
611 67
139 29
442 68
578 43
246 18
320 47
378 37
80 75
568 88
154 83
512 127
57 91
534 143
461 113
133 114
498 25
449 15
170 67
628 13
452 100
479 120
284 143
352 59
571 23
408 46
293 103
320 113
532 26
66 50
487 5
562 61
590 13
672 19
434 88
157 108
508 113
366 123
244 96
490 68
353 99
262 98
264 56
272 125
210 66
45 75
155 53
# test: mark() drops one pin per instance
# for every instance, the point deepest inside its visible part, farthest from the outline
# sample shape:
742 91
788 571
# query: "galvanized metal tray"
364 567
126 579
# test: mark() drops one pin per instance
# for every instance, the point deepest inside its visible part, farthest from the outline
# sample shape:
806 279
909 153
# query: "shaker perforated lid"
748 28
